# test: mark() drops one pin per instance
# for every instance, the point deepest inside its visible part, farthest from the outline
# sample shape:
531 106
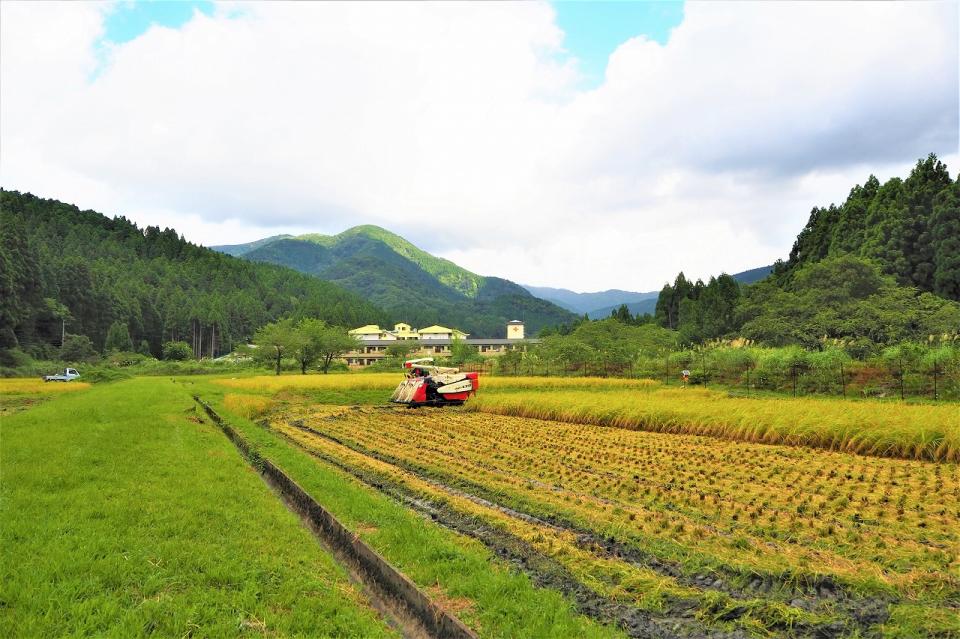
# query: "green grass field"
123 516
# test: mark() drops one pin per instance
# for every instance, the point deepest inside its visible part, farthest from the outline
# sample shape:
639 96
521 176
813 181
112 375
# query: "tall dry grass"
275 383
249 406
889 430
602 383
20 386
388 381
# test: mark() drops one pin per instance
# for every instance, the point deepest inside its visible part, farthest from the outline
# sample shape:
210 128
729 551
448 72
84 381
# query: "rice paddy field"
761 516
544 507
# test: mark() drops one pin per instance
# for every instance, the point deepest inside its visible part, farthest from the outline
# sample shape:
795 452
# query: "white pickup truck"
69 374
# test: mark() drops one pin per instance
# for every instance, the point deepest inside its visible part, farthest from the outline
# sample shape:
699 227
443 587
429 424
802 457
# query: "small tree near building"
334 343
276 341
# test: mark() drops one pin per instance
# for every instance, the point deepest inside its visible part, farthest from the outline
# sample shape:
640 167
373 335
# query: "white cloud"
459 125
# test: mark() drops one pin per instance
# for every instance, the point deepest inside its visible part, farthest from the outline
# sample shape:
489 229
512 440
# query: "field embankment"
909 431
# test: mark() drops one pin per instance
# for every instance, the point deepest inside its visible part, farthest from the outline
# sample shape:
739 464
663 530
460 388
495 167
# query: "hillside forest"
875 279
68 274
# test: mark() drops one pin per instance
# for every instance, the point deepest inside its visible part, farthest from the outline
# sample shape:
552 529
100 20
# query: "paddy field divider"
372 569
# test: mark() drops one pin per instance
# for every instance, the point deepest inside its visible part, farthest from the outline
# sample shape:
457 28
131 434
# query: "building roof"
367 330
515 322
440 329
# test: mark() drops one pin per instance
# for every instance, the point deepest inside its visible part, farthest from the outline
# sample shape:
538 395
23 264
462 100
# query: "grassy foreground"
123 515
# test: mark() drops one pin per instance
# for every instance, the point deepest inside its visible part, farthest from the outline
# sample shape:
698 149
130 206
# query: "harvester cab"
428 385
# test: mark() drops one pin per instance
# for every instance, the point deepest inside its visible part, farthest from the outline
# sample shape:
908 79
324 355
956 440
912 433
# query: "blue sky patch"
594 29
128 20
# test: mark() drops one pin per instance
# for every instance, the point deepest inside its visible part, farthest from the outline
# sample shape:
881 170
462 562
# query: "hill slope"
409 283
56 261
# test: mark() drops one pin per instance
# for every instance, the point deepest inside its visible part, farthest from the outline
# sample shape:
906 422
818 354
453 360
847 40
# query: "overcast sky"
587 148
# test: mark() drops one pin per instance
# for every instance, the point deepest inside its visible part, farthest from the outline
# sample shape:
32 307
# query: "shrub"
177 351
77 348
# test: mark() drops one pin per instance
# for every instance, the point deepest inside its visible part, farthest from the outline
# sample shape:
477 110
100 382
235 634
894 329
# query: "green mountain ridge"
409 283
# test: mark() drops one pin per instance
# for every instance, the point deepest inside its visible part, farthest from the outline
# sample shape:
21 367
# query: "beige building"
433 341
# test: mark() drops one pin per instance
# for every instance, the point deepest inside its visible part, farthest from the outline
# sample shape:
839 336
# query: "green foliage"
77 348
275 341
177 351
118 338
910 227
842 297
58 263
316 341
607 347
461 353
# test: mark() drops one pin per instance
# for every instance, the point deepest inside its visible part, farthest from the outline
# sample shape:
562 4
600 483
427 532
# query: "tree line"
66 272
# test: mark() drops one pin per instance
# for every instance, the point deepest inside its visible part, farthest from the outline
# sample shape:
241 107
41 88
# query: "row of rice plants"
617 580
890 430
763 509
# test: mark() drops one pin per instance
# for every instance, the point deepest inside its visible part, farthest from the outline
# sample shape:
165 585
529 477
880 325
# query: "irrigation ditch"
858 613
414 613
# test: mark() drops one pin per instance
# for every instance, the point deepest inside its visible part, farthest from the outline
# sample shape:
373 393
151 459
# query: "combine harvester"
428 385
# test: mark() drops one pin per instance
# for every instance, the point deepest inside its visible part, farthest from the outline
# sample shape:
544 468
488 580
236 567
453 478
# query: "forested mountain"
237 250
910 227
63 269
881 268
581 303
407 282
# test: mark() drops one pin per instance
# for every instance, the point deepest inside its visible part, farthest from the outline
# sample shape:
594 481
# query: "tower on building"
514 329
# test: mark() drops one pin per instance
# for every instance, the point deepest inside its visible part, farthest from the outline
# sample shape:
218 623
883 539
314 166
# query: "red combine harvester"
428 385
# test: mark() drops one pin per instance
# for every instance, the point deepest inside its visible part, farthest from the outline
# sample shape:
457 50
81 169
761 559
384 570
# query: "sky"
580 145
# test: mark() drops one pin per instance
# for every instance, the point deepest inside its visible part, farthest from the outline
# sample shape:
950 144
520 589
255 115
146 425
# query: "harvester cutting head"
428 385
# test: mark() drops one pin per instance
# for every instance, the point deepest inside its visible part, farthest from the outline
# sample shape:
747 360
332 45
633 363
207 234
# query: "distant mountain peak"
406 280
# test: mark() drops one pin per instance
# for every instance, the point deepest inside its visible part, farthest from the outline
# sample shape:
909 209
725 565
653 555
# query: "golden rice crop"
603 383
248 406
388 381
756 507
276 383
883 429
33 386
